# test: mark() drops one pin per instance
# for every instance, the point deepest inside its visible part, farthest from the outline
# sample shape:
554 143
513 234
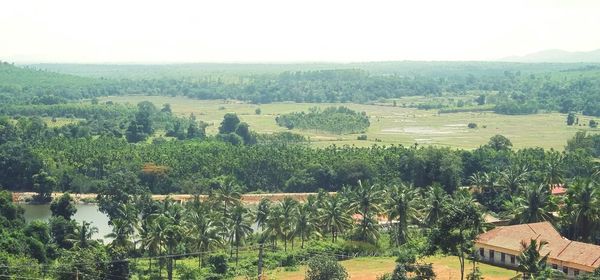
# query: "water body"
85 212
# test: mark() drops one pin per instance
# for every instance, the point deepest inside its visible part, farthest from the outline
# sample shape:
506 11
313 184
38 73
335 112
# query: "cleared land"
389 125
445 267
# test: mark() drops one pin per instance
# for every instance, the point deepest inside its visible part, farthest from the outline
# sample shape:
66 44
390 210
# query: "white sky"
291 31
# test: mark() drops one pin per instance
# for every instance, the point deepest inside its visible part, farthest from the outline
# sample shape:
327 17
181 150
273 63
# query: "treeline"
338 120
515 92
192 166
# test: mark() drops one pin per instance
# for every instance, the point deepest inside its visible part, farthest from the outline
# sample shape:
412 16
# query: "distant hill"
557 56
11 75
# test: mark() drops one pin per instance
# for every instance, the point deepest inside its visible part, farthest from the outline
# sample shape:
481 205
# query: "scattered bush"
325 268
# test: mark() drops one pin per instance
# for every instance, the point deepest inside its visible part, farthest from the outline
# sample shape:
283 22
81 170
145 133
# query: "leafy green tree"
325 268
499 143
457 228
62 231
44 184
570 118
64 206
229 124
118 191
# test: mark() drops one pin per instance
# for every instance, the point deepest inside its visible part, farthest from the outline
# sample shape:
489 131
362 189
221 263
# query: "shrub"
472 125
361 137
218 263
593 124
325 268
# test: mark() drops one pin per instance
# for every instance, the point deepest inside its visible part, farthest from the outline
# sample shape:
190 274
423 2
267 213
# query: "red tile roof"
558 247
558 190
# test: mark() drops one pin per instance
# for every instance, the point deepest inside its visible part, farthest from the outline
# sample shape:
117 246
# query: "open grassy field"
389 125
445 267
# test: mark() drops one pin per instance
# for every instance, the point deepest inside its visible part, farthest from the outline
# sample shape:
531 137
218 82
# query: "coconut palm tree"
401 206
241 227
513 178
84 235
435 200
153 238
305 224
226 195
583 203
554 174
335 216
262 212
289 209
536 205
273 225
204 228
530 260
366 201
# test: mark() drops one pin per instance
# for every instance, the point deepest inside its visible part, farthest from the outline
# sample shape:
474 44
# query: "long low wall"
246 198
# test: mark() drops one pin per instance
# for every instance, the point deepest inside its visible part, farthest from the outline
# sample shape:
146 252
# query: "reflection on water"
87 212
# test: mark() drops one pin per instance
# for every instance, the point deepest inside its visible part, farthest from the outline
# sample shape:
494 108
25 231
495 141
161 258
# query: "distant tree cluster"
338 120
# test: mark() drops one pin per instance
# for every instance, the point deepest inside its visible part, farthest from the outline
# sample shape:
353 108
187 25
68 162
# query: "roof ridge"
594 263
564 248
531 229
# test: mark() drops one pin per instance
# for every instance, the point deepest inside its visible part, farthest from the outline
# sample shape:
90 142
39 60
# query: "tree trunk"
461 259
237 251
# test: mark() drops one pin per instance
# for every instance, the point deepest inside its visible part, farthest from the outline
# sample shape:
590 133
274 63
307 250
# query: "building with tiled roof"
501 246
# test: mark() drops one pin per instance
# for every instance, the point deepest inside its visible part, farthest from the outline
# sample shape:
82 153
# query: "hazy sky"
291 31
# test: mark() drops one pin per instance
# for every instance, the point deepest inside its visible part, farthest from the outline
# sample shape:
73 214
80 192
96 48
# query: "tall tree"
457 228
534 205
241 227
401 205
582 209
335 216
366 201
63 206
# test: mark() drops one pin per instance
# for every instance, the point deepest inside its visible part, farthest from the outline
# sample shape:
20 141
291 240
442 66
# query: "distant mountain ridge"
557 56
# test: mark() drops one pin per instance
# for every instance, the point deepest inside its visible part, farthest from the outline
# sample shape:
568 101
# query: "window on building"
502 257
576 272
491 254
481 252
566 270
512 259
555 266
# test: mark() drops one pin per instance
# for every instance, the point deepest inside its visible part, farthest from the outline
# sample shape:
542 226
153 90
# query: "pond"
85 212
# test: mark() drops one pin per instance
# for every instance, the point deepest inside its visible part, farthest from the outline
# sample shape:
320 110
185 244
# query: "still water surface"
85 212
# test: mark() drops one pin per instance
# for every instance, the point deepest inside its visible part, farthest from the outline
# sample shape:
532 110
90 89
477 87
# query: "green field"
389 125
445 267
